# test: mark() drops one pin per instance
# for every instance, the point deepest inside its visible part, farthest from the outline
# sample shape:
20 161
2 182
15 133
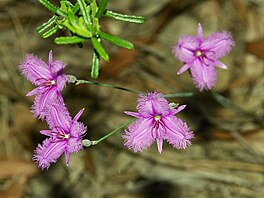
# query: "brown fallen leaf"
256 48
15 174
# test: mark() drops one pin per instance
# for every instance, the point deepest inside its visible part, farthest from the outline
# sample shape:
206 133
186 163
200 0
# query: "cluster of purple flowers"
156 120
65 134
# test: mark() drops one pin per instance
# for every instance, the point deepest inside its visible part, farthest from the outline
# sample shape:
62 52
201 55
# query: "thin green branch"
107 85
124 17
52 8
180 95
112 132
101 8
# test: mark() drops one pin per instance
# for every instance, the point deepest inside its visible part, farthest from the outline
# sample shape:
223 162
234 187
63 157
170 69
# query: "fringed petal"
185 48
220 43
48 152
59 117
204 76
153 103
138 136
35 70
177 132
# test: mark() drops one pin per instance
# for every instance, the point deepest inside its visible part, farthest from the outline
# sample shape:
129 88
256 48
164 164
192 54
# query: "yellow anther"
198 53
157 117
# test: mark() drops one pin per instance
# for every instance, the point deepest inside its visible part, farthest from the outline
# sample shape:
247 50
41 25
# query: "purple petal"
58 66
78 129
200 32
43 101
177 110
185 48
50 60
159 144
220 64
78 115
218 43
46 132
134 114
61 79
48 153
138 136
34 69
184 68
152 104
74 145
67 157
59 117
204 76
37 90
177 133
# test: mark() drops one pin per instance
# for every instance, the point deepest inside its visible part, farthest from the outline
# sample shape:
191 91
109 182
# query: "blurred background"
227 155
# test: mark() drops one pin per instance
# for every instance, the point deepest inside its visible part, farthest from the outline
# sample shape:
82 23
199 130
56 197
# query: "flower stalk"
95 142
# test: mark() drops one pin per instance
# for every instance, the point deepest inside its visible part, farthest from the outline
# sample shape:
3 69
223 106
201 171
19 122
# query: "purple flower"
50 80
64 136
201 56
156 121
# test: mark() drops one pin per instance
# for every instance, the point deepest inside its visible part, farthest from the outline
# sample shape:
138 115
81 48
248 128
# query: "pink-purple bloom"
156 121
49 78
201 55
64 136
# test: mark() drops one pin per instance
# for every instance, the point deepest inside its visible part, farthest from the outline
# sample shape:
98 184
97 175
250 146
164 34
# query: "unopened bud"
86 143
173 105
71 78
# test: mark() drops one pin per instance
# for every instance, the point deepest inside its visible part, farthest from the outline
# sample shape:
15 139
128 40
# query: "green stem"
112 132
107 85
179 95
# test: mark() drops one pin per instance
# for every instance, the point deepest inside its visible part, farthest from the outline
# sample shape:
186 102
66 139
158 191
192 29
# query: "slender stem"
107 85
179 95
112 132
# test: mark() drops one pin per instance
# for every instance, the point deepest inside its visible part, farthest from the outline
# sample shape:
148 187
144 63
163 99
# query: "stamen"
67 136
53 82
157 117
198 53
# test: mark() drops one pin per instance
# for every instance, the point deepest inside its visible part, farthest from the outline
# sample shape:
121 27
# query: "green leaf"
66 3
46 25
50 32
118 41
124 17
99 48
95 65
75 8
63 6
84 11
52 7
69 40
94 8
101 8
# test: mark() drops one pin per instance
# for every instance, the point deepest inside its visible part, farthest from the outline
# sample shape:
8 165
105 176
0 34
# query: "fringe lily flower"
49 78
64 136
156 121
201 55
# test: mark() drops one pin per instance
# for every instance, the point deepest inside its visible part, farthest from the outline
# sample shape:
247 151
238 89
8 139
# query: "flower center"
198 53
157 117
53 82
60 134
66 136
47 83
